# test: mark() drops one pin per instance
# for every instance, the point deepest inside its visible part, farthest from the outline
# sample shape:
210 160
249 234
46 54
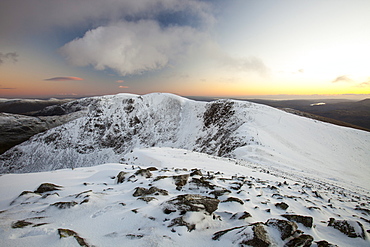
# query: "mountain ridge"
114 125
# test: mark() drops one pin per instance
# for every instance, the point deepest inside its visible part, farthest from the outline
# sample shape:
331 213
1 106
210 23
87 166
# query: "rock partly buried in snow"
219 192
241 216
144 172
324 243
140 191
46 187
179 221
64 233
191 202
181 180
307 221
282 205
234 199
251 235
303 240
64 205
121 177
21 224
351 228
260 236
286 228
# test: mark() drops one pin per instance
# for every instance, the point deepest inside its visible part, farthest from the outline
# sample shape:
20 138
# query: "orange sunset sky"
271 48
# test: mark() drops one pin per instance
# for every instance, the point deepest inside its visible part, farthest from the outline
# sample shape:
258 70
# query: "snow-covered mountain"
114 125
186 173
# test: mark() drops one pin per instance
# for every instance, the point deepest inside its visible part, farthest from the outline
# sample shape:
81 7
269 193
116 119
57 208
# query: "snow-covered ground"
266 177
97 207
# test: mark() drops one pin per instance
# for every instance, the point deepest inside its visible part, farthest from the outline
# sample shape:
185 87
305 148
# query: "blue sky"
218 48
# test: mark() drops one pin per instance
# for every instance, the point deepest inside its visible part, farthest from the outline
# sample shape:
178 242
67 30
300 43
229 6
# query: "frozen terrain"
176 197
185 173
114 125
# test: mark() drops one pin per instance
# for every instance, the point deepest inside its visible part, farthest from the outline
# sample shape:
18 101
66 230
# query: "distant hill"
355 113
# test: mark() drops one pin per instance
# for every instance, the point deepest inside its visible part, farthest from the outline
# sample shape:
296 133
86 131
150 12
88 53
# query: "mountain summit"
114 125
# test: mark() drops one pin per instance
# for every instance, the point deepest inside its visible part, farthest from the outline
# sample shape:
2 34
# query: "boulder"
282 205
195 172
351 228
144 172
303 240
307 221
234 199
260 237
179 221
286 228
121 177
140 191
181 180
64 233
191 202
324 243
64 205
46 187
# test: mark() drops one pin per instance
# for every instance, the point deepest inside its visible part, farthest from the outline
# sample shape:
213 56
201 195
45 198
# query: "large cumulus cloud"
132 47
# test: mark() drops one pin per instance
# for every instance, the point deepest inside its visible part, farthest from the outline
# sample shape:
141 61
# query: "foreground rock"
191 202
352 229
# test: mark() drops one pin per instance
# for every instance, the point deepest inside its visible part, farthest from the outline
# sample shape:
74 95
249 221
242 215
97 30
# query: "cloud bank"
65 78
132 47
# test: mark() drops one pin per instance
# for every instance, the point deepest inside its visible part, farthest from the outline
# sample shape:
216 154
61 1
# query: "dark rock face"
202 182
234 199
64 205
140 191
21 224
307 221
121 177
303 240
46 187
181 180
352 229
194 202
144 172
64 233
241 216
282 205
196 172
260 237
179 221
286 228
324 243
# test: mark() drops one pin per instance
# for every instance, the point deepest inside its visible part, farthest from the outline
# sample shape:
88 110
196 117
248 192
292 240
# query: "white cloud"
342 78
132 47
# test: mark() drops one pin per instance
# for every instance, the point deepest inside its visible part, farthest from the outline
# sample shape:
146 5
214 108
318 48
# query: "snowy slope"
241 204
116 124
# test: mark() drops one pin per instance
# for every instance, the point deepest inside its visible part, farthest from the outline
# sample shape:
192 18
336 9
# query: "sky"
235 48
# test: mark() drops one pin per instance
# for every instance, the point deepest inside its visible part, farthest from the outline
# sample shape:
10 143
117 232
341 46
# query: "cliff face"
114 125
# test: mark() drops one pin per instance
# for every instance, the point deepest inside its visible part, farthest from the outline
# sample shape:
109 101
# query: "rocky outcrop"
286 228
303 240
307 221
191 202
64 233
352 229
46 187
140 191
